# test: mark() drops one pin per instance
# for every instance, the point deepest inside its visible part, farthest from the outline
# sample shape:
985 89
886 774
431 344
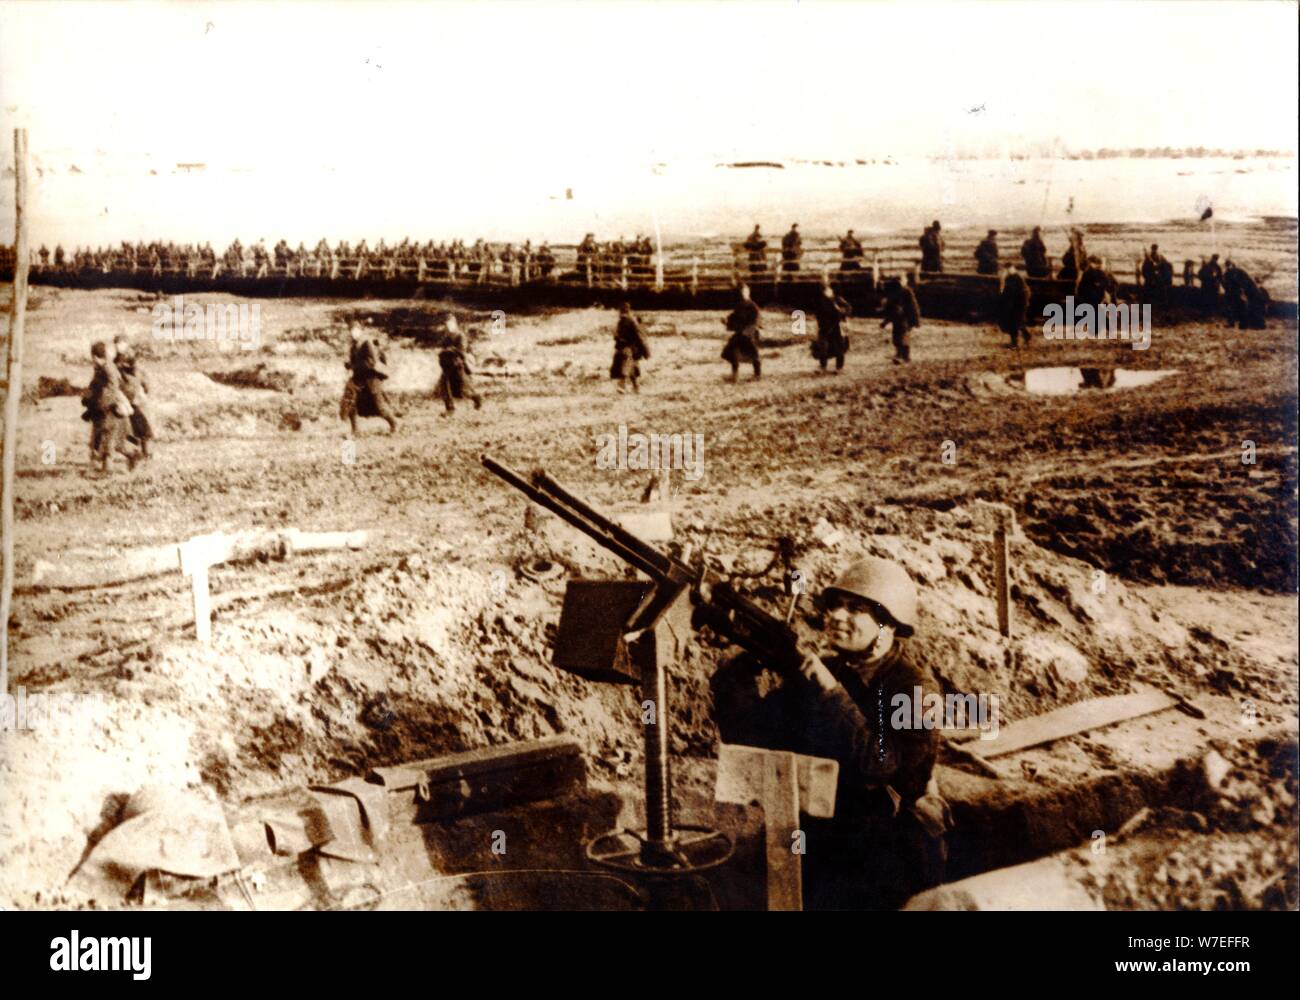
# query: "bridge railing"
691 267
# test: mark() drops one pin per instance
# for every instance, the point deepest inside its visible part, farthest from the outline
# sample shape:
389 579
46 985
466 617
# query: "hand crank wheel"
692 849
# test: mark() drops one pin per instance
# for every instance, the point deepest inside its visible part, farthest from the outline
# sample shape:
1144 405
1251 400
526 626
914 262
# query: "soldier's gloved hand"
815 672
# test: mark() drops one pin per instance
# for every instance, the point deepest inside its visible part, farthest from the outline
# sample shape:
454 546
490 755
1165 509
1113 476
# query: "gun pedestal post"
657 847
657 646
665 849
592 642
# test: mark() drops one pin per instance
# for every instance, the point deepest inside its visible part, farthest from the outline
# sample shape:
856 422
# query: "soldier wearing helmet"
885 842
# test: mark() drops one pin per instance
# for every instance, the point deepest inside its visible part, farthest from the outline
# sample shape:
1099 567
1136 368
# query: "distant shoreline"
688 200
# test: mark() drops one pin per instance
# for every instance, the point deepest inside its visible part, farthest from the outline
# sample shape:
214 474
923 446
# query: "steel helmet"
886 584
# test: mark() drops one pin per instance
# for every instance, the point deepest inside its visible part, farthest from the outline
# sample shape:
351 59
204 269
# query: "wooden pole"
659 258
13 391
202 599
659 250
1001 575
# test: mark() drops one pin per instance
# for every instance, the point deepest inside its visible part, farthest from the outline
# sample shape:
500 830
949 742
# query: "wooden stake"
202 604
13 391
197 555
1000 577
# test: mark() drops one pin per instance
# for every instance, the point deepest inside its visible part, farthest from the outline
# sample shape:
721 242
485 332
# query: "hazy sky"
316 83
365 114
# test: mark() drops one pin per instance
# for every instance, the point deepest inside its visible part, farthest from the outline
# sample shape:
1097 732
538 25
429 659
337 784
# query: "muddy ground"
1149 551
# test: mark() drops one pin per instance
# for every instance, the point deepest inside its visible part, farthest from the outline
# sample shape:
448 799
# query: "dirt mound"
424 324
561 341
47 388
192 405
306 334
1229 844
259 376
1206 523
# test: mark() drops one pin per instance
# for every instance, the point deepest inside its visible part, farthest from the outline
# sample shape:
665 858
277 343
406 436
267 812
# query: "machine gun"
715 603
623 631
730 614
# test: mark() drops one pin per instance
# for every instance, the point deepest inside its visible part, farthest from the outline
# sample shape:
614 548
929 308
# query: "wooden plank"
780 823
780 782
741 779
474 762
83 568
322 541
482 780
79 568
1071 720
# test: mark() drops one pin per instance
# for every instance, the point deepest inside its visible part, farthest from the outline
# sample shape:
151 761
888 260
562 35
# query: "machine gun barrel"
716 604
546 492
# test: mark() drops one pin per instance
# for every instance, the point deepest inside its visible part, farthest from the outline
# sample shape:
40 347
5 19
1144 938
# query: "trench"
998 828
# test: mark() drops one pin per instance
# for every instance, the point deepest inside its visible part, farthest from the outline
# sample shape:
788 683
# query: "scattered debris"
1131 826
826 534
175 832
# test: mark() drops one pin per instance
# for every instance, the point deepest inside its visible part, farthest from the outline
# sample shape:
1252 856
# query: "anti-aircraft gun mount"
628 632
